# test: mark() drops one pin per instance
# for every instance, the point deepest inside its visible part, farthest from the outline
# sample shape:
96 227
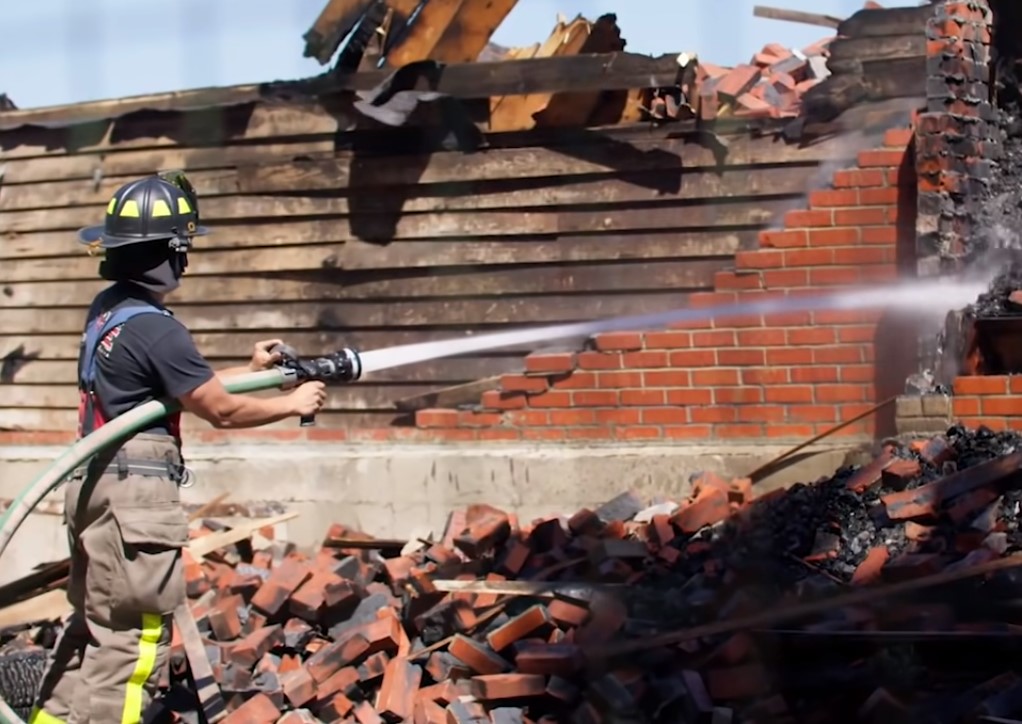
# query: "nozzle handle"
288 354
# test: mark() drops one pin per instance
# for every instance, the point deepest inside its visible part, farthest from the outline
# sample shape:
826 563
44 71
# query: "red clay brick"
766 376
737 81
840 393
881 158
298 686
808 257
523 383
820 238
366 714
623 341
737 395
858 178
1001 406
668 340
880 235
713 338
497 400
688 432
401 681
693 358
548 659
545 363
599 361
786 278
709 507
812 413
260 709
715 378
689 397
981 385
847 354
789 356
662 378
551 399
830 199
792 394
642 398
762 413
869 570
647 358
790 431
835 276
879 197
783 239
594 398
898 137
741 280
814 375
873 216
759 259
713 415
436 418
811 336
799 219
519 627
479 657
965 406
664 416
253 647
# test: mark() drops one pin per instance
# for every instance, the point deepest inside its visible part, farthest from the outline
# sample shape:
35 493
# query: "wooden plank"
197 128
445 371
576 109
516 112
401 12
328 285
391 226
331 316
612 156
83 168
877 47
888 21
649 246
449 397
796 16
895 78
217 189
424 33
334 22
470 30
578 73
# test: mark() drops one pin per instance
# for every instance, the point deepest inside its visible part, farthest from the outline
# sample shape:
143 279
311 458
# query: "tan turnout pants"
126 534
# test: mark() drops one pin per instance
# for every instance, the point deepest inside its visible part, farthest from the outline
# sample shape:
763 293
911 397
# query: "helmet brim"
92 234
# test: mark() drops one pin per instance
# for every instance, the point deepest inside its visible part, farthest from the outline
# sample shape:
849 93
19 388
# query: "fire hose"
342 366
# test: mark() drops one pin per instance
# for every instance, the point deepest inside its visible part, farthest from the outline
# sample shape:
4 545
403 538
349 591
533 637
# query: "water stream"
930 296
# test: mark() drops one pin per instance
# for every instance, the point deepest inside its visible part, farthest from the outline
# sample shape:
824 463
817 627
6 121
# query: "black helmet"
155 208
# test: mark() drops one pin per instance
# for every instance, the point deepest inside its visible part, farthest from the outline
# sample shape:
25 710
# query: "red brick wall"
993 401
776 377
779 376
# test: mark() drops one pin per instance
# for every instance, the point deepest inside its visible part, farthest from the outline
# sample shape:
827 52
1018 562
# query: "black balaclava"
153 266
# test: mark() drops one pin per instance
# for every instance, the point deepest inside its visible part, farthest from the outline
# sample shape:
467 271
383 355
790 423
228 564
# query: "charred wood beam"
796 16
332 26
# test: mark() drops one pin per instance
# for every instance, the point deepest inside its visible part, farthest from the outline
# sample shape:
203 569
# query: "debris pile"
501 621
770 85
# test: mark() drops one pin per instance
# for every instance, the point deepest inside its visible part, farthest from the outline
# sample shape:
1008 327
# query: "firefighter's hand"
262 359
307 399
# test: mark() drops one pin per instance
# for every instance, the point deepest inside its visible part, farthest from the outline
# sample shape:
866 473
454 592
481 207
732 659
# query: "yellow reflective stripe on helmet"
112 205
182 205
152 629
38 716
130 209
160 208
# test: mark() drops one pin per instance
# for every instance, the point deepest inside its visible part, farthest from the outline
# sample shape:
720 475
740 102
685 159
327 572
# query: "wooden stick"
796 16
756 474
205 508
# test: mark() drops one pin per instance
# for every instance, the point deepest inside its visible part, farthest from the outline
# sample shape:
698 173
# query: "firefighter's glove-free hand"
307 399
262 358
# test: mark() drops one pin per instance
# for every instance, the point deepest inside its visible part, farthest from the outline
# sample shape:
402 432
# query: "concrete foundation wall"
404 491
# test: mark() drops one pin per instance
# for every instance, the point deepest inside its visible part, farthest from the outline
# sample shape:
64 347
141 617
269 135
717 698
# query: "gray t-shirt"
151 356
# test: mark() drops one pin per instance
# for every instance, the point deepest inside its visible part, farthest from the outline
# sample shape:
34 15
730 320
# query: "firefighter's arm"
223 410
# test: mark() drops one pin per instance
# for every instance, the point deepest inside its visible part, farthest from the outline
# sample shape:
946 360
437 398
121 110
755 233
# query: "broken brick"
495 687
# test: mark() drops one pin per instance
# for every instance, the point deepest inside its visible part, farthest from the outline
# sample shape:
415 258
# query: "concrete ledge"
389 490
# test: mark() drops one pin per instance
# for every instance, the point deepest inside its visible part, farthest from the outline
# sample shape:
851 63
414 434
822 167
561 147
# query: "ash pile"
722 607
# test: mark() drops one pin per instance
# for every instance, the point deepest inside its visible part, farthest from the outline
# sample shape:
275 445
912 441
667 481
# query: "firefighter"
126 527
